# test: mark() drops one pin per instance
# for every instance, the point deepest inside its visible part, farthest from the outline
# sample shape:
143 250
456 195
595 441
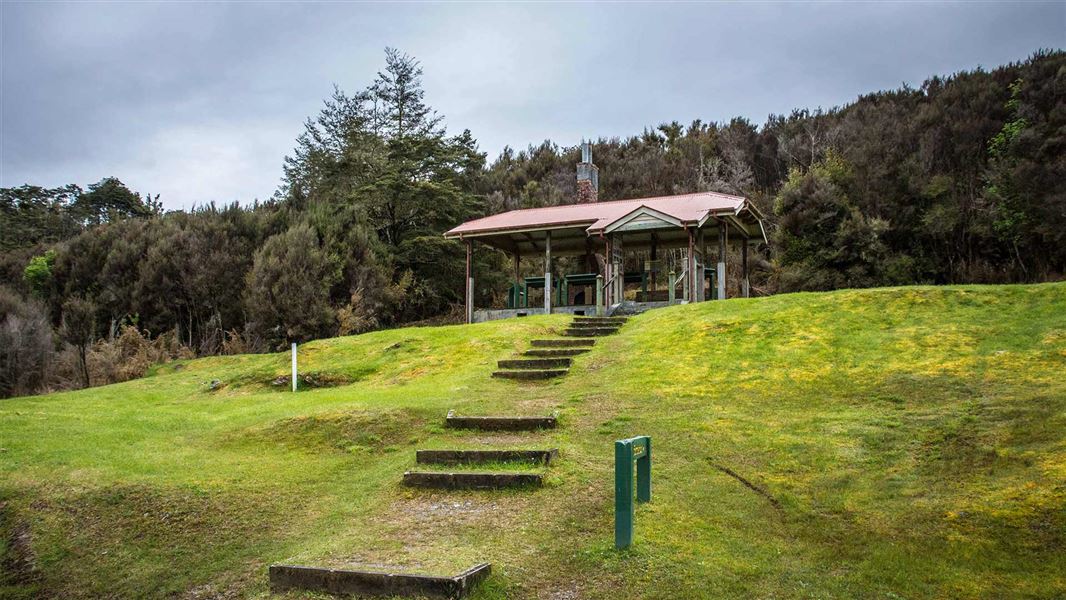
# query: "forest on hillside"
960 180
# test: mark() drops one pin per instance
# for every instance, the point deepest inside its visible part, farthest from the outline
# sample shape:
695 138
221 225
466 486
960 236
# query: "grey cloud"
200 102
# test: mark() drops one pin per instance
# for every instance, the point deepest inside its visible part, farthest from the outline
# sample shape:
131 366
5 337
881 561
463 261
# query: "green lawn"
902 443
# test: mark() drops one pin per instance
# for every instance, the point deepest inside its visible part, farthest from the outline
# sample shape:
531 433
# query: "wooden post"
607 272
519 293
672 292
701 295
469 281
746 288
618 270
547 272
703 279
654 260
600 309
722 233
691 283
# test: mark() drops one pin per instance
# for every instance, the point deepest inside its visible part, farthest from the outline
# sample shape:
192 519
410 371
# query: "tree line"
960 180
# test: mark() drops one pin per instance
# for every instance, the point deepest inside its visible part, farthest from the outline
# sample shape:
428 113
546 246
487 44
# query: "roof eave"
453 234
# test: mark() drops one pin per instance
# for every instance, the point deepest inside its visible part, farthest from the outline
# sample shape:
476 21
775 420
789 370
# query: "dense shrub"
26 344
287 296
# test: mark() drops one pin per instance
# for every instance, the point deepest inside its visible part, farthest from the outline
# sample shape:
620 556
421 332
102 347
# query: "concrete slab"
372 583
485 456
500 423
471 481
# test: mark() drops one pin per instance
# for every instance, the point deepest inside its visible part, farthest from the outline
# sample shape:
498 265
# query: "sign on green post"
627 453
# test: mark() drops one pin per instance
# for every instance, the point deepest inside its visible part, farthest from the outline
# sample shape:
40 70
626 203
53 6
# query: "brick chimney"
588 177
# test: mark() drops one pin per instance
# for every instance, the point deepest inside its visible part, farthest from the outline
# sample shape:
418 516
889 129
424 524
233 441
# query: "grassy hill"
906 442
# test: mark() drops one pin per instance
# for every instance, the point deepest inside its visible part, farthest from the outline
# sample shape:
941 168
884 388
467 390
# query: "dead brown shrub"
130 354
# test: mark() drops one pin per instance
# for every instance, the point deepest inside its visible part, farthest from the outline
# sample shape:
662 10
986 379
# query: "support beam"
547 272
618 269
601 310
723 234
519 292
690 283
608 272
745 287
654 261
701 247
469 281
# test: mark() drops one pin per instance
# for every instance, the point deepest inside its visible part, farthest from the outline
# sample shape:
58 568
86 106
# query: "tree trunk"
83 359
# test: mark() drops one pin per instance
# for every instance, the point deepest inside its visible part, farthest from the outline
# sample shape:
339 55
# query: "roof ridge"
617 201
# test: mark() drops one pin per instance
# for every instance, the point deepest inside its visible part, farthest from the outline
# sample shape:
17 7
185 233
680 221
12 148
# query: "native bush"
26 344
287 295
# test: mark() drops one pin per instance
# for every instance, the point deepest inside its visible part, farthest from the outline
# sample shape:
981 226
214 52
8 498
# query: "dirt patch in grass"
440 509
433 532
18 562
271 379
314 380
351 432
497 441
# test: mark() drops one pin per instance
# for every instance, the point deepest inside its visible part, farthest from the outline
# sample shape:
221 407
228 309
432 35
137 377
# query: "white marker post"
294 366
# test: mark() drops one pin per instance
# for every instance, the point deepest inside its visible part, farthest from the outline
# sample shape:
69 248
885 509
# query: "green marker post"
626 453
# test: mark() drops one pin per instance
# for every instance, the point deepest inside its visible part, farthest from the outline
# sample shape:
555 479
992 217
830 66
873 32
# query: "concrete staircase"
545 359
550 358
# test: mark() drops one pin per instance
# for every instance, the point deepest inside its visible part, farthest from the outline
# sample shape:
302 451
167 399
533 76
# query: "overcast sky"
201 101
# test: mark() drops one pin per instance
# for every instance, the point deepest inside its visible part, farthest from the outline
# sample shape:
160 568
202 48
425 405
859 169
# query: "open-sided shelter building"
604 237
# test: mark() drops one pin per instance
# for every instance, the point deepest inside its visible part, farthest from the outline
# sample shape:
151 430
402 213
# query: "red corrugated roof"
687 208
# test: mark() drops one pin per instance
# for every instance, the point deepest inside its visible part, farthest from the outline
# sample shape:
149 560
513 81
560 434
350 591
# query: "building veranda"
664 241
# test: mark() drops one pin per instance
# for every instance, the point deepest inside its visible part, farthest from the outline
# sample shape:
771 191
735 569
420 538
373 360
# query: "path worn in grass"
914 440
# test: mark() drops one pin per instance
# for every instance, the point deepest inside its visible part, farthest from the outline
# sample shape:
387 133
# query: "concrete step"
450 457
562 343
618 320
554 352
500 423
534 363
530 374
589 331
595 324
346 582
471 481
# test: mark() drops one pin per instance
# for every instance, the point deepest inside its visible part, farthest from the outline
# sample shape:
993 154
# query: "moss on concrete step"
534 363
555 352
530 374
589 331
471 481
500 423
376 583
579 343
613 320
449 457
